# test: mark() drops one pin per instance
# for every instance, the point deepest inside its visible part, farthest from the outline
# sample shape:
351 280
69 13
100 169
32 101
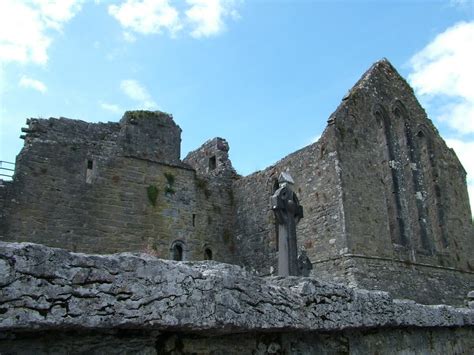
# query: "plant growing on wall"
170 182
169 178
152 192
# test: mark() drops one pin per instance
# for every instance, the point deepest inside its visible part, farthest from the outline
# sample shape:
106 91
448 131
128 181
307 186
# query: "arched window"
177 250
207 254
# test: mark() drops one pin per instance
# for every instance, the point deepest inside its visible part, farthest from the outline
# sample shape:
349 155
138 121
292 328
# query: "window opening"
194 219
90 169
207 254
178 252
212 162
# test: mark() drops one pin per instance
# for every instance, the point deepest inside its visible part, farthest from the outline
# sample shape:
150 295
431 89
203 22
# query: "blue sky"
265 75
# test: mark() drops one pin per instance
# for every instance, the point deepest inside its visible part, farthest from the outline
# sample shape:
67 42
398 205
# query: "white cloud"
443 71
207 16
201 18
147 16
134 90
25 27
464 151
34 84
110 107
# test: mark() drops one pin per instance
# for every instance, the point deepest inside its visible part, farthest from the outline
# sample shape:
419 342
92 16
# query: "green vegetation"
169 190
152 192
170 182
169 178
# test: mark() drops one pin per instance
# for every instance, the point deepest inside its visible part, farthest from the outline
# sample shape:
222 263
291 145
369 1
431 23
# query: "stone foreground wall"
46 289
363 342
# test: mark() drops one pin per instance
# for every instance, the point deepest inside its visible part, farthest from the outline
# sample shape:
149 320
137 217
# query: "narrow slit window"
89 171
194 220
212 162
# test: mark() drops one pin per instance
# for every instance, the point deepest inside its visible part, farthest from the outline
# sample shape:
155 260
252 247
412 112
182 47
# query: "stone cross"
288 212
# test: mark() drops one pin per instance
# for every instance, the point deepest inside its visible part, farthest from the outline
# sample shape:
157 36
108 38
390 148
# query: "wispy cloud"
207 16
200 18
128 37
443 72
25 27
110 107
134 90
147 16
34 84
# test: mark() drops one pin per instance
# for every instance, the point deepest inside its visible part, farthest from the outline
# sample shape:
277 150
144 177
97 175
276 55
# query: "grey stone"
55 289
288 212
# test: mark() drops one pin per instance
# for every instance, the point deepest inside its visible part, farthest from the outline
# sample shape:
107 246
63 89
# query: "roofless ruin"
385 200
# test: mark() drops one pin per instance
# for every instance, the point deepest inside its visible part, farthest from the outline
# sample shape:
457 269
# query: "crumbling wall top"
212 159
151 135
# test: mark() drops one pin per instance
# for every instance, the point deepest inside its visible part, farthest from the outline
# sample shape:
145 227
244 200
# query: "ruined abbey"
385 201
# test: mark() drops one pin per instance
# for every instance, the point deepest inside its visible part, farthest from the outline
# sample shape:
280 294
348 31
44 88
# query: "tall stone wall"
405 196
214 178
402 185
315 171
81 186
385 200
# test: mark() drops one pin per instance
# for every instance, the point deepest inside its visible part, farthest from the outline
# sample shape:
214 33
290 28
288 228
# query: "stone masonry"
385 200
142 304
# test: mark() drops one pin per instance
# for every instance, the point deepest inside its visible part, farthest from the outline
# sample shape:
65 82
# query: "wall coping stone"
44 288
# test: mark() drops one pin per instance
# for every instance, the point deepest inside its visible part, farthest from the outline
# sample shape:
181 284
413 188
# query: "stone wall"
316 174
405 195
51 299
380 184
425 283
379 341
403 187
150 135
81 186
214 177
385 200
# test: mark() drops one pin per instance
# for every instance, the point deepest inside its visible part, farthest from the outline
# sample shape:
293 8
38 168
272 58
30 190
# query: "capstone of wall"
161 306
